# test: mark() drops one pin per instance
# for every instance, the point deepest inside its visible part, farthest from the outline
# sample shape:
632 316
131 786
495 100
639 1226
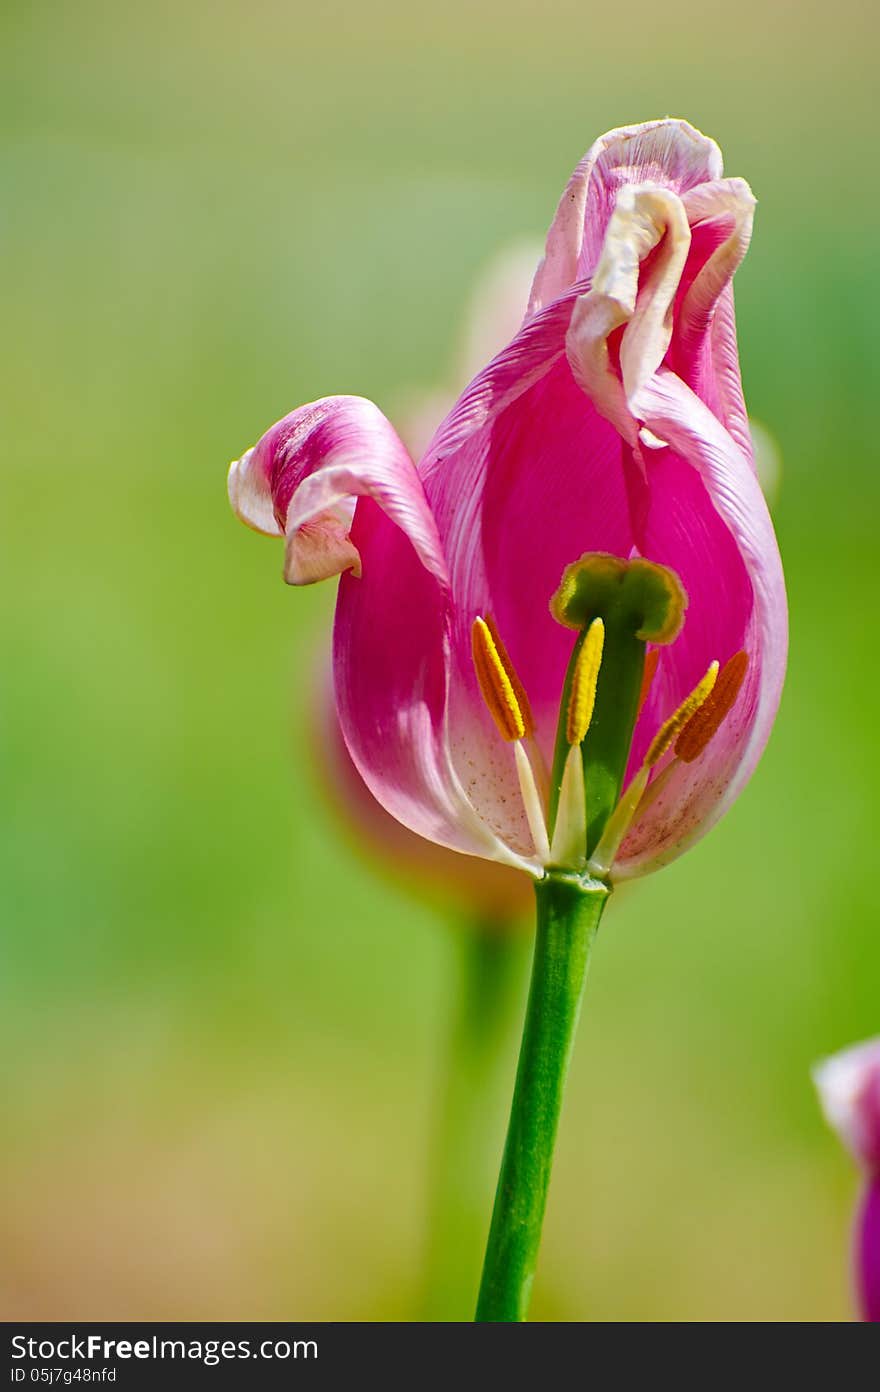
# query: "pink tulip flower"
602 461
849 1090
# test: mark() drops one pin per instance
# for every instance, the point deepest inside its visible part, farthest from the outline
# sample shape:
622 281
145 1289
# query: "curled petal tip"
251 496
670 152
308 471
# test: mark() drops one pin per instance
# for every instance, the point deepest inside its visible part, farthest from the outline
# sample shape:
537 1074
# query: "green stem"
569 910
471 1120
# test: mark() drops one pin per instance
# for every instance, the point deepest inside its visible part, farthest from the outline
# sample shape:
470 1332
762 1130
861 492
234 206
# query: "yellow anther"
582 697
703 726
673 727
501 688
513 677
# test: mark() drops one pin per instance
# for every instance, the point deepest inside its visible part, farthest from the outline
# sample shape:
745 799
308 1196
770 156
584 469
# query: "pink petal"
866 1251
634 288
669 153
738 598
250 494
391 673
704 349
663 253
391 634
523 477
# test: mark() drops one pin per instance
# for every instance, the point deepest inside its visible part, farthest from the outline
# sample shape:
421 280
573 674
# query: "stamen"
569 846
532 803
677 721
507 704
539 768
499 683
704 725
651 660
622 817
582 698
618 824
655 788
512 676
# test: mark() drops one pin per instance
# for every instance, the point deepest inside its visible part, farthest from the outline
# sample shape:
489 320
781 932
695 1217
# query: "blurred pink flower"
493 314
613 422
482 890
848 1084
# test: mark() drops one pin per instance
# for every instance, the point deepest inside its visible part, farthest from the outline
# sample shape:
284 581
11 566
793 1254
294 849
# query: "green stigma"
645 598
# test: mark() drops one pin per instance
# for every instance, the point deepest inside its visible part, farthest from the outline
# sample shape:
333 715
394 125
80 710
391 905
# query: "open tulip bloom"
560 639
848 1084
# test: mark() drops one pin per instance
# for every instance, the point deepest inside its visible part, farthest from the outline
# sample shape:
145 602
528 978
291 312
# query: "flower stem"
568 910
477 1075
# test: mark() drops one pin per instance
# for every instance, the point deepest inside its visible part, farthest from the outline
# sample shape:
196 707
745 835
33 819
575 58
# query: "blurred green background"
222 1039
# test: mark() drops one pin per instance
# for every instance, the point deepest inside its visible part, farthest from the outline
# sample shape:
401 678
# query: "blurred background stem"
479 1068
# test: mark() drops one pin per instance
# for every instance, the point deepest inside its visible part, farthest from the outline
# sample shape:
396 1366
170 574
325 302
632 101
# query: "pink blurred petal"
497 306
848 1084
474 885
866 1251
493 315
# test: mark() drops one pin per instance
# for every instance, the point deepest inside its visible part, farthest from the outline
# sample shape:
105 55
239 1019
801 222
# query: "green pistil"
605 749
639 602
649 596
